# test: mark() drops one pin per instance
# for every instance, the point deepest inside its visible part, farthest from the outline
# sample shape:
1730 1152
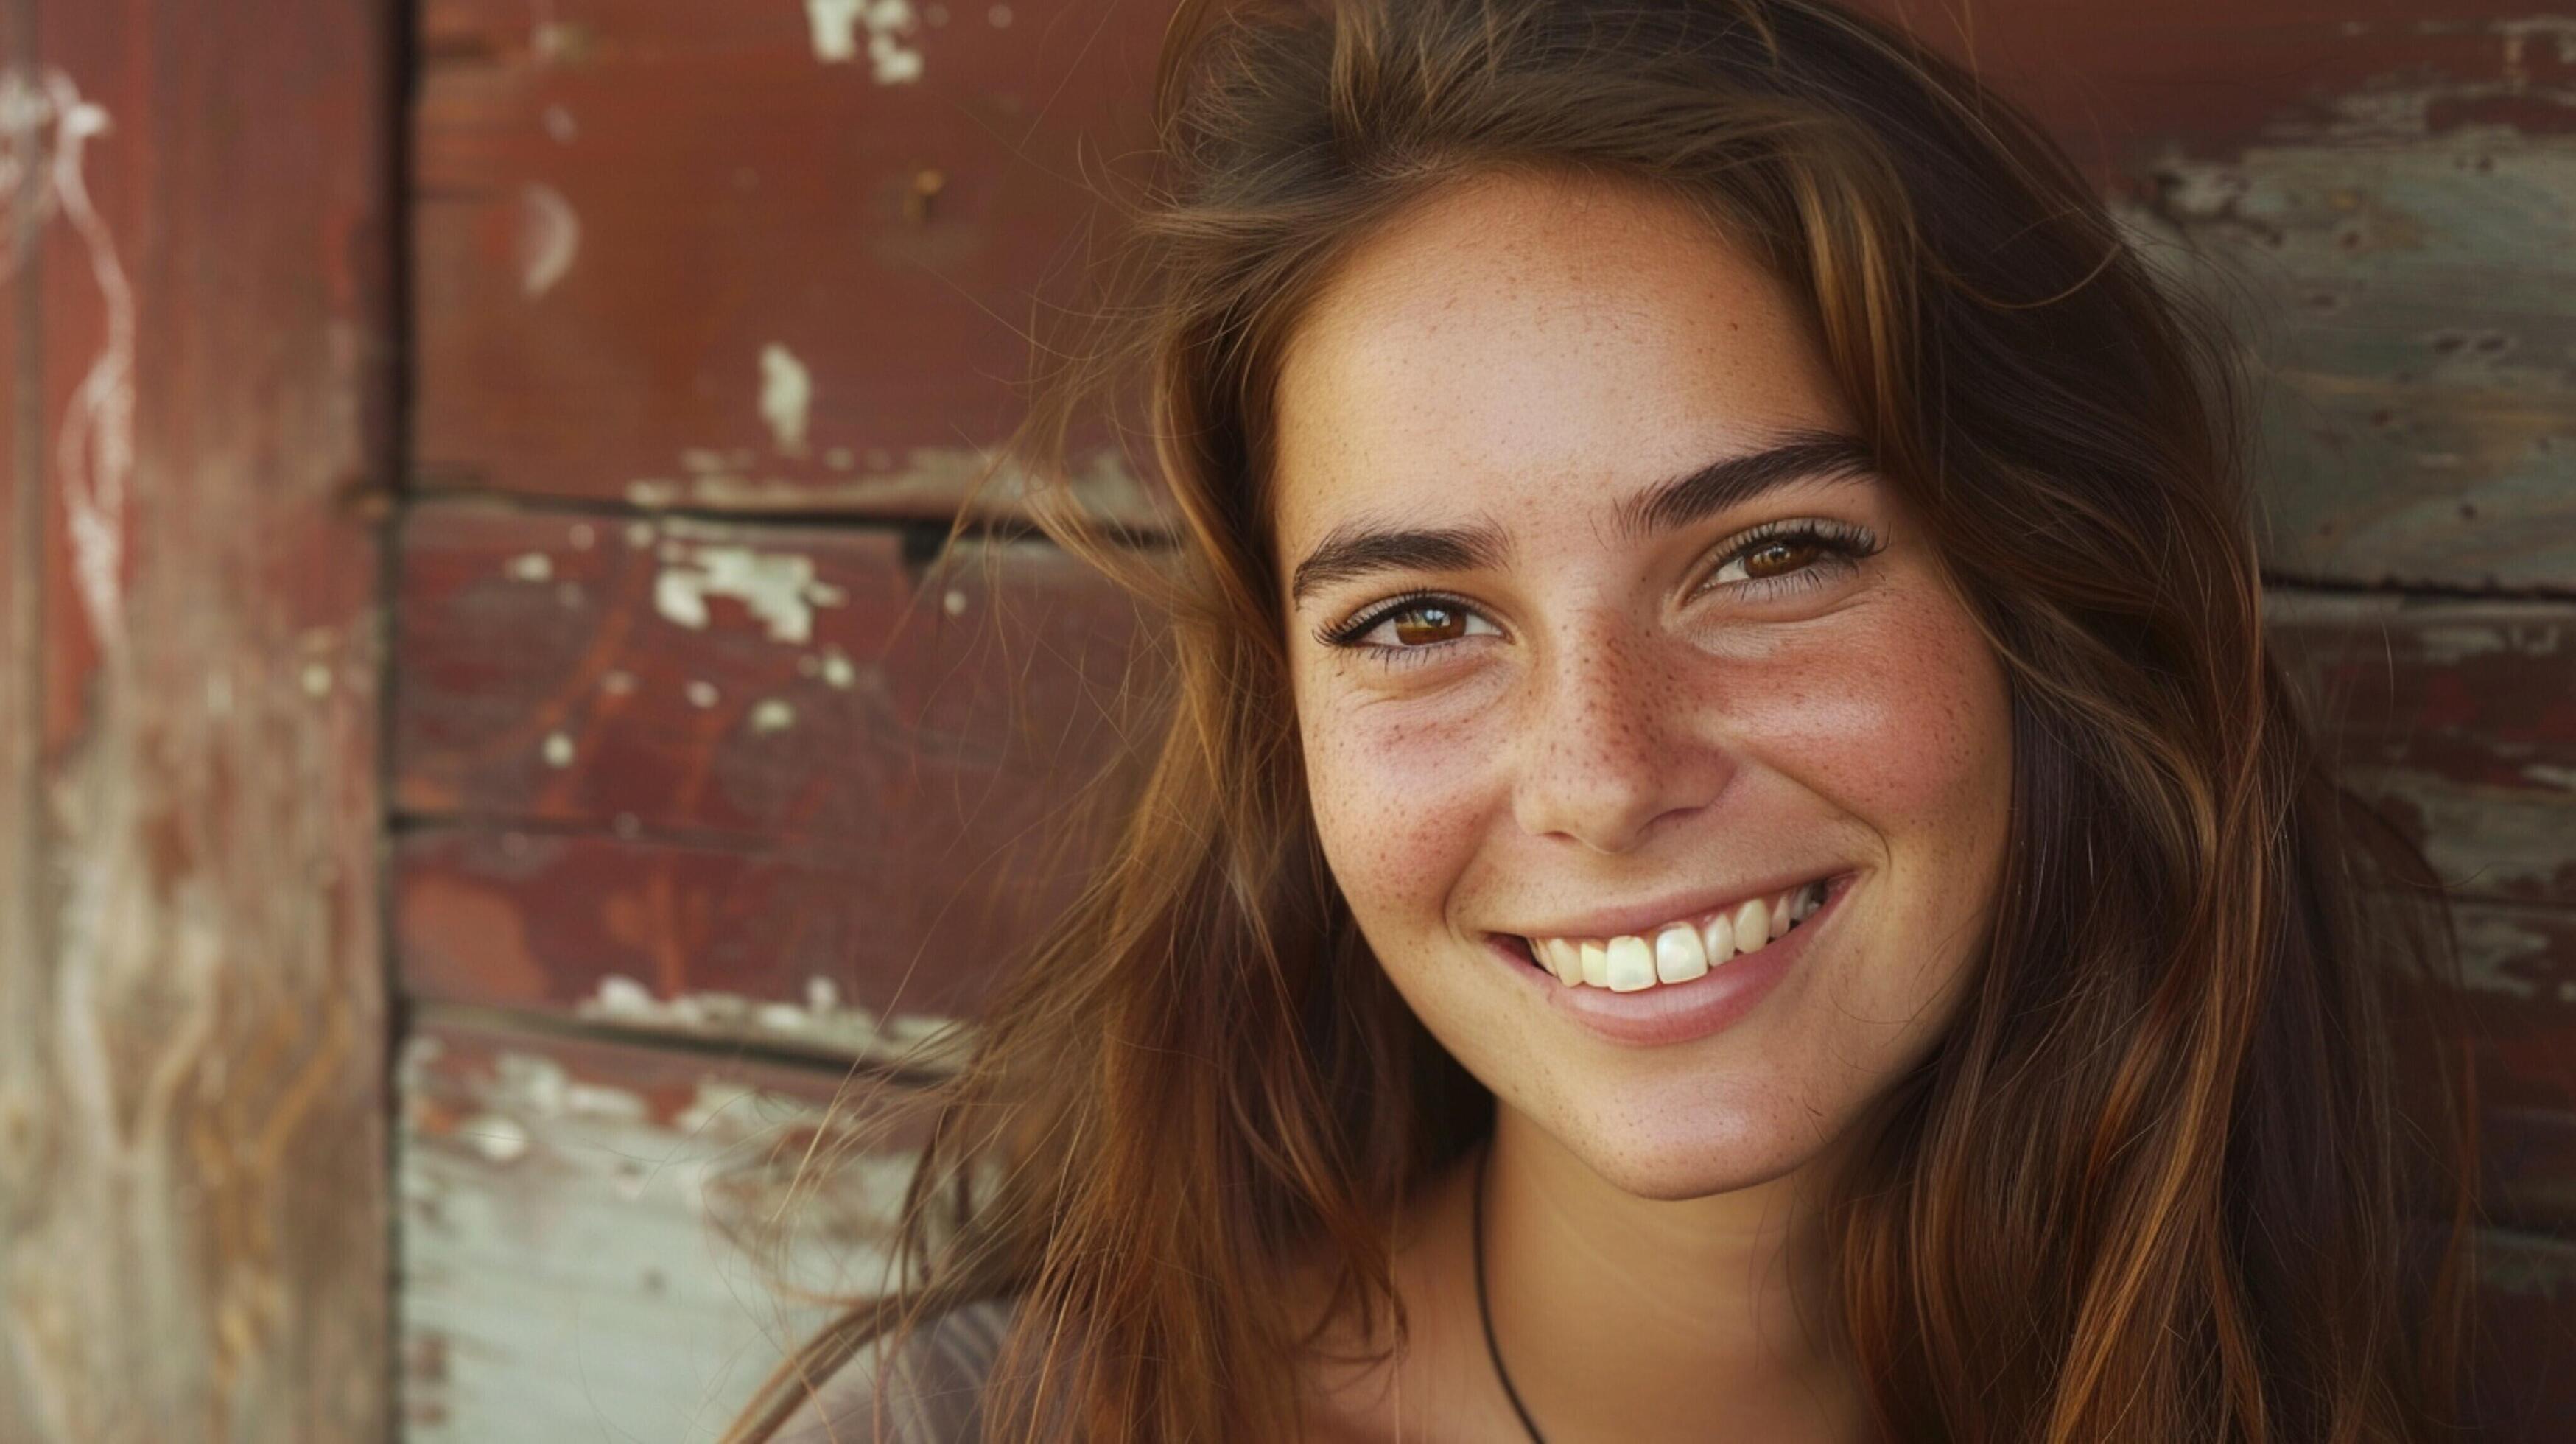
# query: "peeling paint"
771 714
531 567
832 28
558 750
700 694
777 587
549 238
822 1021
786 397
929 479
584 1260
45 128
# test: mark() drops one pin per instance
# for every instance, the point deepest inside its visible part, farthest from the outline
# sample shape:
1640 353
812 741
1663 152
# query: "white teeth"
1631 965
1752 925
1679 954
1719 938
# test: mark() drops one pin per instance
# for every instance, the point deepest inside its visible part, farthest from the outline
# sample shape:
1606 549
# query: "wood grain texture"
2457 718
779 683
192 1194
741 257
589 1245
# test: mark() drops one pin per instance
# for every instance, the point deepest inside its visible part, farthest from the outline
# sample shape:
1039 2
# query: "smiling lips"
1680 950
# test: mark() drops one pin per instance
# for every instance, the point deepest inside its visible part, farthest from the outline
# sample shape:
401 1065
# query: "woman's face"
1580 671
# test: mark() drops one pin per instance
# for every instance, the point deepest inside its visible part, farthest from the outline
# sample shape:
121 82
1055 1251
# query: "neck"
1635 1318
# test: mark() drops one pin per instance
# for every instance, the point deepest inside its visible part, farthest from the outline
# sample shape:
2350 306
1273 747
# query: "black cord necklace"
1484 1313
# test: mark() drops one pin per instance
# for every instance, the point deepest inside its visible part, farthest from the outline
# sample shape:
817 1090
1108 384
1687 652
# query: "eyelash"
1841 542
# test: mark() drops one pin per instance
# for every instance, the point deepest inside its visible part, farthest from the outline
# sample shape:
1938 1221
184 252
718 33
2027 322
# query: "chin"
1688 1157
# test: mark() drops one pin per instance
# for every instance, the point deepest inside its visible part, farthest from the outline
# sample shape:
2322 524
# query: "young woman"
1728 860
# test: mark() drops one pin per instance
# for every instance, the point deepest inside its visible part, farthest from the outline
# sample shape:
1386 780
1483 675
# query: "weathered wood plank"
878 194
588 1239
2457 718
2525 1383
759 681
816 948
192 1198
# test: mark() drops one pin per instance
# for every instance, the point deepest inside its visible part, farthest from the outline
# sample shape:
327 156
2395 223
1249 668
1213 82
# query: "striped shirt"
933 1392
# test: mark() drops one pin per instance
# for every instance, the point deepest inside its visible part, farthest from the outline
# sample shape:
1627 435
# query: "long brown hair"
2169 1176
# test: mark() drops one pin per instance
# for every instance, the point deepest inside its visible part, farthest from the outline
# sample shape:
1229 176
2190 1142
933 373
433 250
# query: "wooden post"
197 443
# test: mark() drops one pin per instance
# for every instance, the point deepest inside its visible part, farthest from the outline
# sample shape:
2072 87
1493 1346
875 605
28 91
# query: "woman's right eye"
1413 624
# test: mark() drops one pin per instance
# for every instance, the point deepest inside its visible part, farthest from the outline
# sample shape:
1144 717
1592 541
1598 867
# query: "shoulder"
929 1389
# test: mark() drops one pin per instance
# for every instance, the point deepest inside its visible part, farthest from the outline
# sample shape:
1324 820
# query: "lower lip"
1680 1012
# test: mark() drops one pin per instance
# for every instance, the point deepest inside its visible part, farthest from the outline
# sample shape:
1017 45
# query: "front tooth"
1595 963
1780 914
1630 964
1679 954
1719 938
1752 925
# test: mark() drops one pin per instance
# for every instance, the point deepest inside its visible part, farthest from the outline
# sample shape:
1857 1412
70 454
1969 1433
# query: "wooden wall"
195 457
702 785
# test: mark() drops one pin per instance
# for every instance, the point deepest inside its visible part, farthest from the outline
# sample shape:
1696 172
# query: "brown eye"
1786 555
1428 622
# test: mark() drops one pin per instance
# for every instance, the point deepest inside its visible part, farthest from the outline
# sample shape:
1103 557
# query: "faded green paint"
571 1267
2409 306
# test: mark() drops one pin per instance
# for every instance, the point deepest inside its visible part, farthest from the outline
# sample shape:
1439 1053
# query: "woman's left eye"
1790 554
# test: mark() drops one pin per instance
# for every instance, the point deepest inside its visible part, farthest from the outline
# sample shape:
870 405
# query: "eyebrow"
1734 480
1355 550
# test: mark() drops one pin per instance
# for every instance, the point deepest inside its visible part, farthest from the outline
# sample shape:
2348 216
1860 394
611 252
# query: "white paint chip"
786 397
778 588
701 694
772 715
532 567
549 238
317 680
954 604
558 750
834 27
499 1137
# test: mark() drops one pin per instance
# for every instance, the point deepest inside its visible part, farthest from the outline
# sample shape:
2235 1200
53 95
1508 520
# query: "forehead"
1522 342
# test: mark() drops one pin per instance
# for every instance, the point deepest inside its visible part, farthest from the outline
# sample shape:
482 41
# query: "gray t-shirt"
934 1389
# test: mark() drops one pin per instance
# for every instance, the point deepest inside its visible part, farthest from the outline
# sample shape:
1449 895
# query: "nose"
1614 739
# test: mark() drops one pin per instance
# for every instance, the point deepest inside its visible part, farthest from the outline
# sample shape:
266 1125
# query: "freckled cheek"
1399 801
1905 727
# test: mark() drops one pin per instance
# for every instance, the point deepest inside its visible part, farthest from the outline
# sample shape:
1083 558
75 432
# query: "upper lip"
1644 918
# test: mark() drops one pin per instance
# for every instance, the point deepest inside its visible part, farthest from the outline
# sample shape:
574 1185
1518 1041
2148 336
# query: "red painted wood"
761 682
193 1237
799 947
624 208
2457 718
2524 1386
